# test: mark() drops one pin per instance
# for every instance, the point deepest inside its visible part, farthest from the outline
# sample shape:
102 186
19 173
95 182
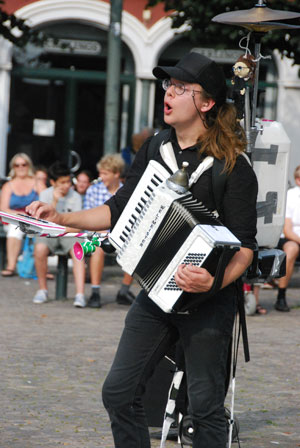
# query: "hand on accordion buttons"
191 278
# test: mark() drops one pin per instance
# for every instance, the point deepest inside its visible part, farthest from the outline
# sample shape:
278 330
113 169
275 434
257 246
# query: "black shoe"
94 301
125 299
281 304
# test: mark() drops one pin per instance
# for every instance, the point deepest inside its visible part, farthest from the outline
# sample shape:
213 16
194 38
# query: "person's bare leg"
97 266
259 308
13 249
79 277
79 273
291 249
96 270
41 253
127 279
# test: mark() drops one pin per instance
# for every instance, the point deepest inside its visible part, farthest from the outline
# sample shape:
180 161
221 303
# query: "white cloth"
293 208
12 231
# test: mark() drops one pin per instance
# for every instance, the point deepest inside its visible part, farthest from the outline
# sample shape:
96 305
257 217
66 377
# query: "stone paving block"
54 359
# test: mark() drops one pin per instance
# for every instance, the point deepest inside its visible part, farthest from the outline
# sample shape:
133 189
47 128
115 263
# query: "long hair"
224 137
21 155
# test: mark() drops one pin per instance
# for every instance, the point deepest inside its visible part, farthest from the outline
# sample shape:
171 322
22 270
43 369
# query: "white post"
5 68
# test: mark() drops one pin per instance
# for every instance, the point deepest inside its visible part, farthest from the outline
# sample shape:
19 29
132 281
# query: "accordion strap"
224 259
167 153
203 166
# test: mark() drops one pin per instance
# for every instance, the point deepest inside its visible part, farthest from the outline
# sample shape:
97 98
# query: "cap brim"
172 72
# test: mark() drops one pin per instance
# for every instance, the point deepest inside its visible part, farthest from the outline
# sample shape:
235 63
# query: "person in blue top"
16 194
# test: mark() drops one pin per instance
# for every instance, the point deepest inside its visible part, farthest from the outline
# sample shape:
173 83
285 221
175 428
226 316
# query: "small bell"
179 181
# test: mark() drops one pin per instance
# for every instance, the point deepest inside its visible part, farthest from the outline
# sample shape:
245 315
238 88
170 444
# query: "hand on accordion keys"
193 279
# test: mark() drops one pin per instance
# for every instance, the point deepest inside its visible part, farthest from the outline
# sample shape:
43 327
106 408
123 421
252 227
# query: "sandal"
7 273
260 309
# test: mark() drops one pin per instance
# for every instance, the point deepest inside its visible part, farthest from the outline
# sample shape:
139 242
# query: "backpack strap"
219 177
156 141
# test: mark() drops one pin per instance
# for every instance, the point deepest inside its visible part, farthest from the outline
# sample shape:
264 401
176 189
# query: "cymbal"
264 27
255 15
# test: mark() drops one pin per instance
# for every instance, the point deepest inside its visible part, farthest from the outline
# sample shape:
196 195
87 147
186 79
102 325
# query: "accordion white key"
160 229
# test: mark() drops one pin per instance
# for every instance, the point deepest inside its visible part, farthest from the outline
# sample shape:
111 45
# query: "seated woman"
16 194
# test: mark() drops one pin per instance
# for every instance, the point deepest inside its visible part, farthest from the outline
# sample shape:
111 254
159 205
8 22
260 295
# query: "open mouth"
167 108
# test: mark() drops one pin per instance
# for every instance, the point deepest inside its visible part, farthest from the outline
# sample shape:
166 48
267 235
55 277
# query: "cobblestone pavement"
54 359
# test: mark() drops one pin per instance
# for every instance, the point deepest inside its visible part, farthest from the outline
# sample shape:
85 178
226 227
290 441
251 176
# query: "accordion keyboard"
142 202
153 177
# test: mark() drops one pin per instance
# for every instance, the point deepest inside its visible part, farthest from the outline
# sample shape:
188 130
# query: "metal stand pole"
111 126
247 121
257 37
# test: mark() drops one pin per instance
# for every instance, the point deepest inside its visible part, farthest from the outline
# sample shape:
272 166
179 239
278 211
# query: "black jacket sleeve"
118 202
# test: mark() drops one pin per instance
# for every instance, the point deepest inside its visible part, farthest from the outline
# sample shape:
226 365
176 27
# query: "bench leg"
61 278
2 253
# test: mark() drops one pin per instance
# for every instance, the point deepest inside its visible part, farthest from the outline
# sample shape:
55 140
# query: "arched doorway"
58 95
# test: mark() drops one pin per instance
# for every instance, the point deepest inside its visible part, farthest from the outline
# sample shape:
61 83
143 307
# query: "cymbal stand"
247 128
257 48
250 115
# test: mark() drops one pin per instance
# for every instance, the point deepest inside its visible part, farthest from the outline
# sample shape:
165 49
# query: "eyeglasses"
239 68
179 87
18 165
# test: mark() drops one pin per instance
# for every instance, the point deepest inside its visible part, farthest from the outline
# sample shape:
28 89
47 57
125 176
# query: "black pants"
147 336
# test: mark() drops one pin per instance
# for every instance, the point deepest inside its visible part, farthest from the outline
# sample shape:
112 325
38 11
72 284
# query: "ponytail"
224 137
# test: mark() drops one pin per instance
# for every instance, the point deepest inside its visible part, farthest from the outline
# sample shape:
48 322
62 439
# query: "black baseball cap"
197 68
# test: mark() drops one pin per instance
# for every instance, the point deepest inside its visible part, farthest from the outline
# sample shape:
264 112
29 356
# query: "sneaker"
94 301
79 301
125 299
281 305
41 296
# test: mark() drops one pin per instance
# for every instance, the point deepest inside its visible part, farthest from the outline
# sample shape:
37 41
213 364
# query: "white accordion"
159 229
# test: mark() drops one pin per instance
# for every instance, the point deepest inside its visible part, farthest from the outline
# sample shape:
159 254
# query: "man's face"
83 183
108 177
62 184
